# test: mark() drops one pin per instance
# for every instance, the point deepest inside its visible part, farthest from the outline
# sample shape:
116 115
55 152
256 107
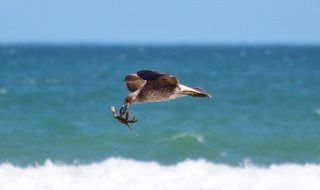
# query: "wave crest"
119 173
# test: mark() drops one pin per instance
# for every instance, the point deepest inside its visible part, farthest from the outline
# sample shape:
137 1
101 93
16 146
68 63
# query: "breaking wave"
120 173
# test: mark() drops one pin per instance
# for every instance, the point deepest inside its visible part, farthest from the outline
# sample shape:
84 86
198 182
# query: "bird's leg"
123 109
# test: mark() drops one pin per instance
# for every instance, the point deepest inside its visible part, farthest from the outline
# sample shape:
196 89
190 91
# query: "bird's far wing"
149 75
133 82
159 79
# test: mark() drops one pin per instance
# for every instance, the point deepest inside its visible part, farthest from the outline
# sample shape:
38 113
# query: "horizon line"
157 44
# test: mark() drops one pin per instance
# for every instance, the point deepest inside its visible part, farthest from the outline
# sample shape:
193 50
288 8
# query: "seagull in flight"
152 86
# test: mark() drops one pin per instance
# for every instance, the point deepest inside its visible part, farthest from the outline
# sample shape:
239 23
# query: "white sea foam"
318 111
118 173
197 137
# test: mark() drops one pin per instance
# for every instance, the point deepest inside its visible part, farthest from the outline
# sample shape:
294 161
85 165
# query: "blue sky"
163 21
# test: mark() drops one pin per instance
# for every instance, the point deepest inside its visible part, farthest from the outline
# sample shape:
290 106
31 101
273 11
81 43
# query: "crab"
124 120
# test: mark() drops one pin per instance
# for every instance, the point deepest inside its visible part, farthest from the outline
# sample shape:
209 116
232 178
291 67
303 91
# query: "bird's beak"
123 109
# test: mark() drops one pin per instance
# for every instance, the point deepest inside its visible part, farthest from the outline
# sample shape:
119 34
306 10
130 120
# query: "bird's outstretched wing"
133 82
158 79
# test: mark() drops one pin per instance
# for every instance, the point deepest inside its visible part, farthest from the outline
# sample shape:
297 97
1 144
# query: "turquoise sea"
57 131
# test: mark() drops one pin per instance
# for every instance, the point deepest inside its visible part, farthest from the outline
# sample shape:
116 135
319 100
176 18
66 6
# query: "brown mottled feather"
133 82
158 80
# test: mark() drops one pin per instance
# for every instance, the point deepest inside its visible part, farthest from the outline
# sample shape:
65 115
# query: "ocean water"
261 129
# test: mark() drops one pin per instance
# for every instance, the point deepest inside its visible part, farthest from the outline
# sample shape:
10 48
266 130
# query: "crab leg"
124 120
